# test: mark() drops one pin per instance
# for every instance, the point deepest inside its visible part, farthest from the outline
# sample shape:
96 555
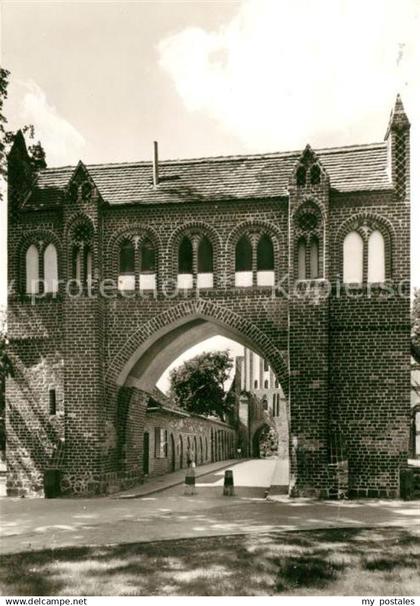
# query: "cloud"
62 142
283 73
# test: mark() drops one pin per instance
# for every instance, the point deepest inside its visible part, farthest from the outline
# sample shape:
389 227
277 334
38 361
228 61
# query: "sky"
100 81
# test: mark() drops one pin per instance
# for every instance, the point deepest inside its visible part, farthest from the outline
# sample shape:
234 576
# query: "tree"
198 385
5 370
4 81
415 325
36 151
269 442
415 313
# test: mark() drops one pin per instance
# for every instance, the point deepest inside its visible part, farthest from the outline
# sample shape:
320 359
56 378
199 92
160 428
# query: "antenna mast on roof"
155 164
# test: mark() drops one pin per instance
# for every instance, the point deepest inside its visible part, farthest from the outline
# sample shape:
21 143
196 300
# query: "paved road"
32 524
251 478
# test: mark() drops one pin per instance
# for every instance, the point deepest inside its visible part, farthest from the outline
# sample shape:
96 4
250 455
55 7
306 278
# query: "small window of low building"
161 443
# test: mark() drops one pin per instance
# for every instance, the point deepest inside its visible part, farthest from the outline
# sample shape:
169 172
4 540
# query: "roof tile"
354 168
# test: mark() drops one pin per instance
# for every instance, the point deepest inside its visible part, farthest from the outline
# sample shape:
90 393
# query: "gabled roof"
355 168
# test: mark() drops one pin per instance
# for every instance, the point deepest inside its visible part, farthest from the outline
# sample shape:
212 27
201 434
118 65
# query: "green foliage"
4 81
415 325
5 369
7 136
268 442
415 314
198 385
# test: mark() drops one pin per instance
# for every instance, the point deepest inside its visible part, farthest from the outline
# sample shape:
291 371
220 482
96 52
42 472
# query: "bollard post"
228 484
189 486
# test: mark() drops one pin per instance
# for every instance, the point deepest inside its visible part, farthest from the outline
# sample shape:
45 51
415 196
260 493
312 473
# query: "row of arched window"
364 260
196 263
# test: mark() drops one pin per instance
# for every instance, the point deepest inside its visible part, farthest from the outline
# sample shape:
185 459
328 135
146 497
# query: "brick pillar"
135 436
308 332
83 395
308 392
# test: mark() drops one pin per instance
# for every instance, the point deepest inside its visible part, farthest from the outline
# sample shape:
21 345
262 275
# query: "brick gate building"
116 269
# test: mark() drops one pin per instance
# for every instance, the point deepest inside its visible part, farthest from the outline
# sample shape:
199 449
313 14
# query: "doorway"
146 453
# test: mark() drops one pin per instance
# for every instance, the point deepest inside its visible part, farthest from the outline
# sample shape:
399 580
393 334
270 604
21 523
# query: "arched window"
205 263
353 258
205 256
50 269
88 266
265 254
82 264
315 174
147 265
301 176
185 264
256 384
82 254
78 263
185 257
126 278
32 270
266 384
148 257
127 257
314 258
301 259
277 407
376 257
243 262
265 261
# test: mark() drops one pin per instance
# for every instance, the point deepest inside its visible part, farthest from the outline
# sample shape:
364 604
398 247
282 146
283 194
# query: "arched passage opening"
265 442
150 351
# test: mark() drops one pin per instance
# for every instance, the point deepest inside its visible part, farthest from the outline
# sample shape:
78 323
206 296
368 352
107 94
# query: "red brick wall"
187 427
348 360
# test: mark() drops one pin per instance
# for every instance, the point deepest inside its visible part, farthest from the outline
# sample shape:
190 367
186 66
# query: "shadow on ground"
381 561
